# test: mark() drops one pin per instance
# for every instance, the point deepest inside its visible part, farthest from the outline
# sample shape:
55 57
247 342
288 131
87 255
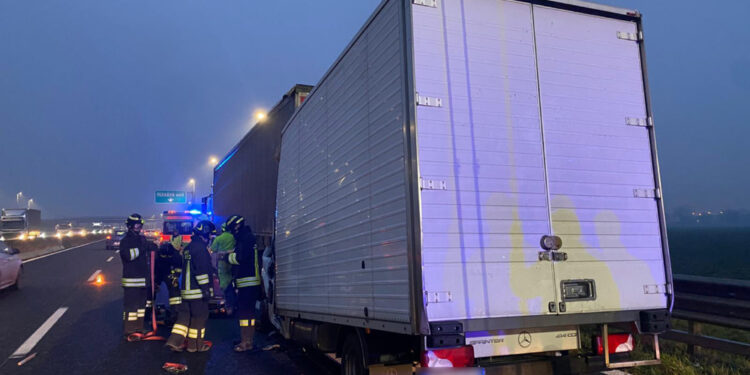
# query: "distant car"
152 233
113 240
10 267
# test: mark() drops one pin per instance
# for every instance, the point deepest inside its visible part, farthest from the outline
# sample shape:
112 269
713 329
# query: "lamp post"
19 198
31 202
192 188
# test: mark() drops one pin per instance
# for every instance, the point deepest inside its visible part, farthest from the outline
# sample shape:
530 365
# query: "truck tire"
352 356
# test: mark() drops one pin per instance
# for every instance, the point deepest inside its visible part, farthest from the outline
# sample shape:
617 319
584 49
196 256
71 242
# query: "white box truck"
470 182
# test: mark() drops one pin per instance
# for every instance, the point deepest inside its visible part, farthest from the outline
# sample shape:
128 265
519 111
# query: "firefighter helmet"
234 223
133 220
204 228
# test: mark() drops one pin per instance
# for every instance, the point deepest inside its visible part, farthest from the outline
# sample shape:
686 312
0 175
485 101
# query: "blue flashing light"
210 213
226 159
195 212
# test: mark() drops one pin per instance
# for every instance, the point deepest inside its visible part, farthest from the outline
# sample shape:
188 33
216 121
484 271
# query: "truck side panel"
341 237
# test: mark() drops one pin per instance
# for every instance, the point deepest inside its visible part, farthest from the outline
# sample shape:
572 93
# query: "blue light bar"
195 212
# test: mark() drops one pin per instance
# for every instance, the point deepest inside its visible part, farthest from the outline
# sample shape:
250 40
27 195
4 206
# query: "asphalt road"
87 337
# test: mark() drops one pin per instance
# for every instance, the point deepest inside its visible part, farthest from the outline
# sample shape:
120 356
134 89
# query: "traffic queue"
188 272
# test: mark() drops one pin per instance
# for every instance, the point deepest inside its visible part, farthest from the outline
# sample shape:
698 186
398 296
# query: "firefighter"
244 261
225 243
195 292
134 252
176 240
167 270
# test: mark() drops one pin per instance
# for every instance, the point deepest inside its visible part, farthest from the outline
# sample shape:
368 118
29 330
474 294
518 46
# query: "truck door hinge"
635 37
647 193
433 184
429 101
427 3
438 297
645 122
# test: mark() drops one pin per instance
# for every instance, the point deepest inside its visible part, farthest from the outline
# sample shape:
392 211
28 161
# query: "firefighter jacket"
244 260
196 270
168 262
134 252
176 242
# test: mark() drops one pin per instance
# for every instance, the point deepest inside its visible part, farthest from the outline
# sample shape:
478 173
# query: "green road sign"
171 197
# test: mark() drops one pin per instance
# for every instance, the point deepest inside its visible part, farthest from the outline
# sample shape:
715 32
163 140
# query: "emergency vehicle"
181 221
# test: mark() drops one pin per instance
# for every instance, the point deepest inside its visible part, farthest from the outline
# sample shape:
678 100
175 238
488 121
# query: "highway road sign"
168 197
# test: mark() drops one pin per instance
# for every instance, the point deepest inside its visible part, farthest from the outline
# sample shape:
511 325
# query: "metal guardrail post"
694 328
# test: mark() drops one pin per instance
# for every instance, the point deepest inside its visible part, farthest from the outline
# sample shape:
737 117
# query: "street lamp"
212 161
31 201
260 115
192 185
19 198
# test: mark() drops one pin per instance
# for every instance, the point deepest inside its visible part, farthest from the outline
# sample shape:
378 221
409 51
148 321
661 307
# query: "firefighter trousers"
134 309
191 323
173 288
246 299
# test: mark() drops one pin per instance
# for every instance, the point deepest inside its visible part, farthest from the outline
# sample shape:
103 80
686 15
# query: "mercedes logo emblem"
524 339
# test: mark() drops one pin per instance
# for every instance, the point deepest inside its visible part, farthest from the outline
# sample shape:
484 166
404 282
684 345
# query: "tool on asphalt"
149 336
29 358
174 368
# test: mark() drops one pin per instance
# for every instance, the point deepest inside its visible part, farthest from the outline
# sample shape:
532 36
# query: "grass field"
711 252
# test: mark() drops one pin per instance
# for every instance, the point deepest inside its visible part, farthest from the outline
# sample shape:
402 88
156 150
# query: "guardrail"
721 302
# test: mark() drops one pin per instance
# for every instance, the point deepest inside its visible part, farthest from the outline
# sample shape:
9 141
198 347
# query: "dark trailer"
245 179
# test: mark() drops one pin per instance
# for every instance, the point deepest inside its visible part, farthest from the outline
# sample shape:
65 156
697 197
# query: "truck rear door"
599 162
532 121
483 190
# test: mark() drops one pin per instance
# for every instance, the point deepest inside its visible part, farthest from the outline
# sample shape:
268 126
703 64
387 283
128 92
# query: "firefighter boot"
176 342
246 340
198 345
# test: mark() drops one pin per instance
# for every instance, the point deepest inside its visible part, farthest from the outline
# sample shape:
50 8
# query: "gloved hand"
207 294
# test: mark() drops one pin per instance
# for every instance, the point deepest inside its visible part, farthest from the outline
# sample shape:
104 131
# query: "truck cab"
20 224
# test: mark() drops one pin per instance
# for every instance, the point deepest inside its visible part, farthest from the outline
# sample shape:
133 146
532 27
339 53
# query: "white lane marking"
31 342
93 276
110 259
59 252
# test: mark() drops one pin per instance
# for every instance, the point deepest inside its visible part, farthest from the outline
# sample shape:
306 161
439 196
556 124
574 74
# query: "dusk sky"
104 102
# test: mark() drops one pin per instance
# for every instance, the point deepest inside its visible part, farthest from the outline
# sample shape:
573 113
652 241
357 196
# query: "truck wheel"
352 355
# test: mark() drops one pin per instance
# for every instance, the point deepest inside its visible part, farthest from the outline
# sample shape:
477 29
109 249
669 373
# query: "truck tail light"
165 237
618 343
454 357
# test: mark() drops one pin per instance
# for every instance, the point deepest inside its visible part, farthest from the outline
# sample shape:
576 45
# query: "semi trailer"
472 184
244 180
20 223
